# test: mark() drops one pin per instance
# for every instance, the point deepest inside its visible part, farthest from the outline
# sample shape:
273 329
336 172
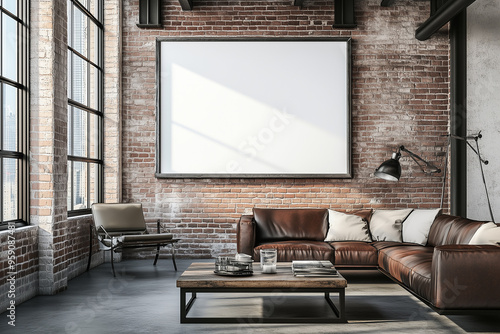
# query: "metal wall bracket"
387 3
444 11
436 4
149 14
186 4
344 14
298 3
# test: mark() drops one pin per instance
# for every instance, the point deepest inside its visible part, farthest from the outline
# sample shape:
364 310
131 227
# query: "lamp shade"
390 169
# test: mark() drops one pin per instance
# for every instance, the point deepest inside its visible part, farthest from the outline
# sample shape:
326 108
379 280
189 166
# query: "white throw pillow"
416 227
346 227
385 225
486 234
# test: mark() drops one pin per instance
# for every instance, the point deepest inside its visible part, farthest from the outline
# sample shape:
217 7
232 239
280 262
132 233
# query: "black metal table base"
339 312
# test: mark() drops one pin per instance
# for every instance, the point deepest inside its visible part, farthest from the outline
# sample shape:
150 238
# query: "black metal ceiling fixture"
440 17
149 14
442 11
387 3
186 4
344 14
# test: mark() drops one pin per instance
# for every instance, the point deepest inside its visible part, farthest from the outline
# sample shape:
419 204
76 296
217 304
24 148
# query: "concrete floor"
144 299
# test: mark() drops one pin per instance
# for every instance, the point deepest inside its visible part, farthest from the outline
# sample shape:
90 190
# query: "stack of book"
313 269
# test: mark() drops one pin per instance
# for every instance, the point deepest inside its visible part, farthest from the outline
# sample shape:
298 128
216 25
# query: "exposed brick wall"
400 95
25 273
112 101
77 232
56 248
48 137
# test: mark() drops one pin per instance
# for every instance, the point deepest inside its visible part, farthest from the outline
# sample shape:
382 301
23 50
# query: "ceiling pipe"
442 16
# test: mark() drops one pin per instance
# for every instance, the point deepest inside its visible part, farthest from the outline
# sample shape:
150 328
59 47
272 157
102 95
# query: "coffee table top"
201 275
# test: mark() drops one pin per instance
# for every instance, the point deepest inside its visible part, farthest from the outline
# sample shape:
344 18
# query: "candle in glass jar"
269 268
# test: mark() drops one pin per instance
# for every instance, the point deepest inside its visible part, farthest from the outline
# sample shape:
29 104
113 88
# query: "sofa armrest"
465 277
245 235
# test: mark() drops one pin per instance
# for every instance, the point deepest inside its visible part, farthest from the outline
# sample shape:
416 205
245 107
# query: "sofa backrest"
452 230
290 224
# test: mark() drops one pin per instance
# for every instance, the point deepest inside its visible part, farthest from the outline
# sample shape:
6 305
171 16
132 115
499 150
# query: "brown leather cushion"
297 250
245 235
420 280
354 254
461 231
290 224
386 244
410 265
452 230
467 277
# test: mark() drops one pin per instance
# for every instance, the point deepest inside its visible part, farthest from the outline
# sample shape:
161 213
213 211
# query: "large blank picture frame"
258 108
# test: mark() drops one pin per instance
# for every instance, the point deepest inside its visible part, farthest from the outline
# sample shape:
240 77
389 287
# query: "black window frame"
21 84
99 66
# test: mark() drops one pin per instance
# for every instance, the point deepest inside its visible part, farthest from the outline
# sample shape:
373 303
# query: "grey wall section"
483 105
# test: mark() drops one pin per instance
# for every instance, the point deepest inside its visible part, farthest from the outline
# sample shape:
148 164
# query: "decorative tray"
230 266
229 273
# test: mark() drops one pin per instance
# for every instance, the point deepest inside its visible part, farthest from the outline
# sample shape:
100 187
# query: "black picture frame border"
160 175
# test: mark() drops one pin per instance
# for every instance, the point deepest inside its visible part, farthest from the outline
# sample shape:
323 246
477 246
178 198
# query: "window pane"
83 2
94 136
11 6
79 132
10 189
70 71
85 129
94 182
70 186
9 118
70 130
79 81
79 185
13 108
70 21
80 21
93 7
9 47
94 43
94 88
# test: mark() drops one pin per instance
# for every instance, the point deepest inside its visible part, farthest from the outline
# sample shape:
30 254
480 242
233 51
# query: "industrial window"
14 105
85 105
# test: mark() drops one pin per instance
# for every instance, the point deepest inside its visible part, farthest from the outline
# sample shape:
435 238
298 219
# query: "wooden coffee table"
200 278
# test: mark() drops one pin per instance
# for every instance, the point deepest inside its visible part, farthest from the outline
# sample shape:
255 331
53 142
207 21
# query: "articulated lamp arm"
475 150
431 168
481 162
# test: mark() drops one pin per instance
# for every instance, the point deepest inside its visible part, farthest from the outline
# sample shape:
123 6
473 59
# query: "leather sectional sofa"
446 273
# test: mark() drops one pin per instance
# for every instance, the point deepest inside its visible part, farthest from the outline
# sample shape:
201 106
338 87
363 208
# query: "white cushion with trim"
346 227
416 227
385 225
486 234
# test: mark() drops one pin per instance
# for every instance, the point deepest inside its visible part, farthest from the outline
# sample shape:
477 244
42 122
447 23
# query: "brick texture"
56 248
112 101
48 137
25 241
400 95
